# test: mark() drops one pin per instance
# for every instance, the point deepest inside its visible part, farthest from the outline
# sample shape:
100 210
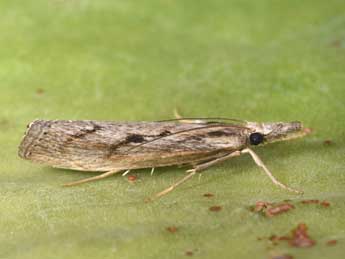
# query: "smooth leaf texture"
139 60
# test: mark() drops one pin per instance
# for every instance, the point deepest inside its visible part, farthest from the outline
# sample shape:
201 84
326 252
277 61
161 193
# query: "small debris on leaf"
331 242
171 229
208 195
215 208
300 237
261 205
40 91
325 204
132 178
271 209
189 253
310 201
278 209
275 238
336 43
327 142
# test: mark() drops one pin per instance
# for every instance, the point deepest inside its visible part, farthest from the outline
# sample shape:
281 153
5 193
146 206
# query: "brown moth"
113 147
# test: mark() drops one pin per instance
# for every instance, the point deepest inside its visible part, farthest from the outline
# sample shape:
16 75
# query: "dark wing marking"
211 134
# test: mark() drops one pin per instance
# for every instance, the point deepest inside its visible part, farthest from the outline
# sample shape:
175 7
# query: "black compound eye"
256 138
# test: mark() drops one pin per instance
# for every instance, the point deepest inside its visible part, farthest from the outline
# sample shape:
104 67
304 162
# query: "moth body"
112 147
103 146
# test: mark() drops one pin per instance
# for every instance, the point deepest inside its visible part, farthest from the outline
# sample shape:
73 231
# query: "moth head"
269 132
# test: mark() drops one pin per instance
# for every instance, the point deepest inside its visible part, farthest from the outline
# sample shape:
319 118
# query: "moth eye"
256 138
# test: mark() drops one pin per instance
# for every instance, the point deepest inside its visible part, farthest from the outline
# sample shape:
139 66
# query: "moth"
113 147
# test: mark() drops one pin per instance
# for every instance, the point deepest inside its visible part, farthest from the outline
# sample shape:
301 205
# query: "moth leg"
126 172
152 170
195 170
258 161
203 166
94 178
177 115
172 187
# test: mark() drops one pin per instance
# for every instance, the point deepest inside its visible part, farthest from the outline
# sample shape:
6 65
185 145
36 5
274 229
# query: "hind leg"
195 170
94 178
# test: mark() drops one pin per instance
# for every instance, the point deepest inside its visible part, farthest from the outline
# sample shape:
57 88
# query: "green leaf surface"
139 60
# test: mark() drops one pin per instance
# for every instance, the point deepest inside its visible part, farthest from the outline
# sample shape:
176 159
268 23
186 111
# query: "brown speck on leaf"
189 253
208 195
325 204
39 91
275 238
171 229
270 209
336 44
327 142
215 208
331 242
300 237
261 205
278 209
132 178
310 201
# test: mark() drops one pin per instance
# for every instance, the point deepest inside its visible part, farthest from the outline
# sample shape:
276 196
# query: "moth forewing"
103 146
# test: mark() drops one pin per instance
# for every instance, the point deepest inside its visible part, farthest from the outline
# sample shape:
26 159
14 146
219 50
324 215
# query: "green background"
139 60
